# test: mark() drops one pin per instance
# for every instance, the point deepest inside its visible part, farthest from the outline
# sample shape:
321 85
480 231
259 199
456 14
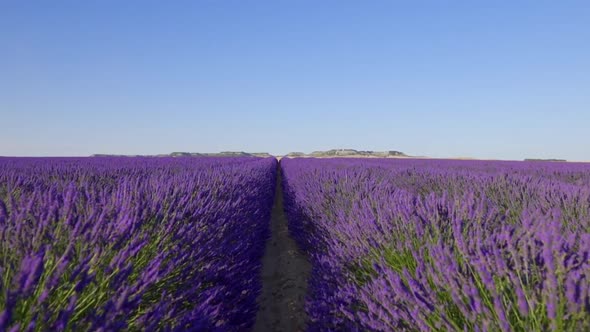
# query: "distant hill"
534 159
334 153
215 154
295 154
197 154
351 153
113 155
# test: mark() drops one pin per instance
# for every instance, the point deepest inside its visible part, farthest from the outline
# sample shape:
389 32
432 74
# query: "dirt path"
284 277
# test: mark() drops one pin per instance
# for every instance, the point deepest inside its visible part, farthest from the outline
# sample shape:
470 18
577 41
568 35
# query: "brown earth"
285 271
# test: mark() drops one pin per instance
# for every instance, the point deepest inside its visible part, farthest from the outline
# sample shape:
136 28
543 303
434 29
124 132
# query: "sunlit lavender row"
132 243
426 245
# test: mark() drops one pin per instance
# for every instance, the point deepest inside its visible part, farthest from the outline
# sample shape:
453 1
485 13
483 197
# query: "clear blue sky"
486 79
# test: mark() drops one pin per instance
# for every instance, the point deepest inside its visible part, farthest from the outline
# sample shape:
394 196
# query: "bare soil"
285 271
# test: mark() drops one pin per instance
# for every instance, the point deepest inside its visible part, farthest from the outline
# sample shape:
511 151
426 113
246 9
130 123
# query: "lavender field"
177 244
424 245
109 244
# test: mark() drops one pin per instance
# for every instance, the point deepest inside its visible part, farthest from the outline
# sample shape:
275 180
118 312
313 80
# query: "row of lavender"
422 245
132 244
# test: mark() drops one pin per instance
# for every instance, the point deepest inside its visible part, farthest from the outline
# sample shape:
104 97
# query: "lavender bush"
424 245
112 244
